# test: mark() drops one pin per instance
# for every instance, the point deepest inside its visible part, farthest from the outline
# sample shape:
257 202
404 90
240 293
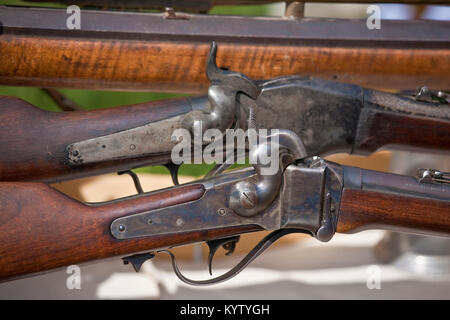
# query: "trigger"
138 260
229 244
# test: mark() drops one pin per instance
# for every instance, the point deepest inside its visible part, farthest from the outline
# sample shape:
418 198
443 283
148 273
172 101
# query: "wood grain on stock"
43 229
363 210
180 67
377 129
33 141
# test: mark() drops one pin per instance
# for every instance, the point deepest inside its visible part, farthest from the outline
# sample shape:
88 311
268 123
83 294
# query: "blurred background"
295 268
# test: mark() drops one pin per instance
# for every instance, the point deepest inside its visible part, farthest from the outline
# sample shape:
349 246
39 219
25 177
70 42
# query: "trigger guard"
264 244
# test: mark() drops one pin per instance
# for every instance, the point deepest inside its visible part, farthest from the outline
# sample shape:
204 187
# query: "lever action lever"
262 246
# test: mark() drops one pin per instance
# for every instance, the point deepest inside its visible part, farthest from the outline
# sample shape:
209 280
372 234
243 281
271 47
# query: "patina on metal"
218 110
205 5
248 198
310 190
307 203
231 29
325 115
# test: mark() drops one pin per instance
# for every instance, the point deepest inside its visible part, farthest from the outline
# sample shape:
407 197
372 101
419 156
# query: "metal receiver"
217 110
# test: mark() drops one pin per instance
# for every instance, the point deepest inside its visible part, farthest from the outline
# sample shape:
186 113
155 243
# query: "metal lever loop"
264 244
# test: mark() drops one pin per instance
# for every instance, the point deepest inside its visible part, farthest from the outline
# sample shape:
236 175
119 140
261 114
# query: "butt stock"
42 229
34 141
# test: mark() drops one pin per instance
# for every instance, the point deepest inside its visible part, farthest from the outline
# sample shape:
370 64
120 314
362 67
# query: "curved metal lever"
265 243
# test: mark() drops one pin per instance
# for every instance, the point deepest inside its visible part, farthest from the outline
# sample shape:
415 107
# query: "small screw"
179 222
132 147
121 228
150 221
222 211
75 153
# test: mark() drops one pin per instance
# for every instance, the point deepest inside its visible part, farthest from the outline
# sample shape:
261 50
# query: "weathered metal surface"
302 204
209 212
235 29
205 5
323 114
152 138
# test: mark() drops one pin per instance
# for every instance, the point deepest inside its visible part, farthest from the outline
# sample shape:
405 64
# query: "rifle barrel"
147 51
205 5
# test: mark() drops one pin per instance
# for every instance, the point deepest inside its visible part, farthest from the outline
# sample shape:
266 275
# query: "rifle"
42 229
120 51
327 116
305 194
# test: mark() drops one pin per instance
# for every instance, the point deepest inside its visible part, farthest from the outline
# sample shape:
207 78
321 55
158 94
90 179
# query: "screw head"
222 211
243 199
248 199
121 228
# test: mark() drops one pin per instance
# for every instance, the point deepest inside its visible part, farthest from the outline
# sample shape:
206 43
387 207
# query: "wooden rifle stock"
388 130
43 229
33 141
396 122
376 200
